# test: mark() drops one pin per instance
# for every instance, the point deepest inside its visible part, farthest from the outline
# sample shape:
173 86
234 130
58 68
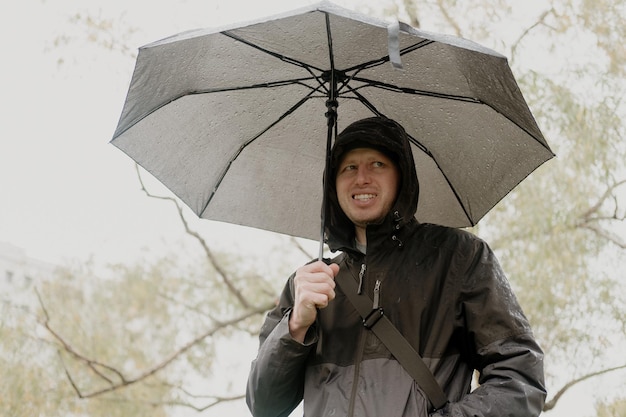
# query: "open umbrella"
238 121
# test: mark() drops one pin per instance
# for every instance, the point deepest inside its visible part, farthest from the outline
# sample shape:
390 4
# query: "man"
441 287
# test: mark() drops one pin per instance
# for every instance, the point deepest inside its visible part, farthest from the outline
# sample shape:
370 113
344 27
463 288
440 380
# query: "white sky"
66 192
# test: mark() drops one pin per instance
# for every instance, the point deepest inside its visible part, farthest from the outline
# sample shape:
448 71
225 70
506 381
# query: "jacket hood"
389 137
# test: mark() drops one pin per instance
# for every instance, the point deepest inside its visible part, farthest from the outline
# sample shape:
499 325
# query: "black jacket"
442 288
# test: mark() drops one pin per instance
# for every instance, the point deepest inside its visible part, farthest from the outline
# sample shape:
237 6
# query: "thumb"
335 269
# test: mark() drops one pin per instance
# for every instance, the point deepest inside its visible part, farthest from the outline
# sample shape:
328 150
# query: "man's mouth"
363 197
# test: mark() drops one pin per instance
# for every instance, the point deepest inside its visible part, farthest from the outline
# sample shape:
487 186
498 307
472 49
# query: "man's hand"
314 288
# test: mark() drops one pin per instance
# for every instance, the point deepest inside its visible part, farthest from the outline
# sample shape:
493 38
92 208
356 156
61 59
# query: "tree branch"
91 364
176 354
300 248
410 7
125 381
605 234
552 403
589 220
607 194
457 29
540 22
209 254
215 400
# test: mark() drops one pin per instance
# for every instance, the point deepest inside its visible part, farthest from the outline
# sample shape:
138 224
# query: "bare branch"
215 400
187 306
178 353
540 22
69 377
455 26
126 381
590 219
410 7
552 403
209 254
300 248
605 234
91 364
607 194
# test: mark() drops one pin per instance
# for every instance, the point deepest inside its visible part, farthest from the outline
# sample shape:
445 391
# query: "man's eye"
378 164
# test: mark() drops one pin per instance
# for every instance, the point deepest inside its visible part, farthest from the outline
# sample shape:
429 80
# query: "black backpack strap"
400 348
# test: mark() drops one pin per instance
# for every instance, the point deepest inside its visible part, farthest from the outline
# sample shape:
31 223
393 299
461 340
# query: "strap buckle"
372 318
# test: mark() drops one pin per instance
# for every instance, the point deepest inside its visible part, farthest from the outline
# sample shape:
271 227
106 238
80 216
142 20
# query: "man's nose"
362 175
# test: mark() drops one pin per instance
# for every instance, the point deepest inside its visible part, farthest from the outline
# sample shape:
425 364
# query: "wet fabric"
443 288
233 120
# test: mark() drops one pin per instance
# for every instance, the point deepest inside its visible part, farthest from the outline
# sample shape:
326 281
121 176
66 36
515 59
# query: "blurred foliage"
130 339
615 408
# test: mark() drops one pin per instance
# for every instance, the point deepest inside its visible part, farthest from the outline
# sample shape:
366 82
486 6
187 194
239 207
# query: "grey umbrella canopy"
237 121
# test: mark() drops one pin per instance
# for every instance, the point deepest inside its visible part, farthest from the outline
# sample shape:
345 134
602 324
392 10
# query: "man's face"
367 185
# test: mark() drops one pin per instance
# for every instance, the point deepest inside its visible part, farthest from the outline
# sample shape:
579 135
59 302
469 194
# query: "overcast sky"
66 192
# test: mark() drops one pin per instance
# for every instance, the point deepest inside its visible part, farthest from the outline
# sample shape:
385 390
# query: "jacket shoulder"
447 236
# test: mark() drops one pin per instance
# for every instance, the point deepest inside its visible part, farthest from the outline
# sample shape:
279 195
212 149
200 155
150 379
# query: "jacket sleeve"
500 343
276 379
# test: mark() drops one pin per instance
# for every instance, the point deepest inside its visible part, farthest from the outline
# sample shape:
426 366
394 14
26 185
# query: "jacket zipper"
357 371
376 295
362 340
361 274
359 353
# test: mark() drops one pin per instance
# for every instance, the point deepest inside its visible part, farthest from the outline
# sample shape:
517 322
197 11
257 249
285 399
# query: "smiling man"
442 288
367 185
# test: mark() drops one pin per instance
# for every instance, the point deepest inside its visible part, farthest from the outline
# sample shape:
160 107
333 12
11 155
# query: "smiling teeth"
363 196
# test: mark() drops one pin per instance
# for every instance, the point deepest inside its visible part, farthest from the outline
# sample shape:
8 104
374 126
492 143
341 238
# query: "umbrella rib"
274 54
386 86
374 110
456 195
300 81
384 59
310 68
271 84
248 142
295 81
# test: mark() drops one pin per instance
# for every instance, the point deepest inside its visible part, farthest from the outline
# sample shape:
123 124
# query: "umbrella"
237 121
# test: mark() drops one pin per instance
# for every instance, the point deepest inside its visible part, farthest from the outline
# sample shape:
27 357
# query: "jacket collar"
389 234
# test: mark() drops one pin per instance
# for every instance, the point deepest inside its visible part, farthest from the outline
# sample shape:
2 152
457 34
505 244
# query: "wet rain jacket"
441 287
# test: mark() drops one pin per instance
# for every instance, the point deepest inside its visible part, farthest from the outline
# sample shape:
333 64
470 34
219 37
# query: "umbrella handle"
331 117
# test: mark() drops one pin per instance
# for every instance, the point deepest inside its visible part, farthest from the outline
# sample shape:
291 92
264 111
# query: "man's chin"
368 222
